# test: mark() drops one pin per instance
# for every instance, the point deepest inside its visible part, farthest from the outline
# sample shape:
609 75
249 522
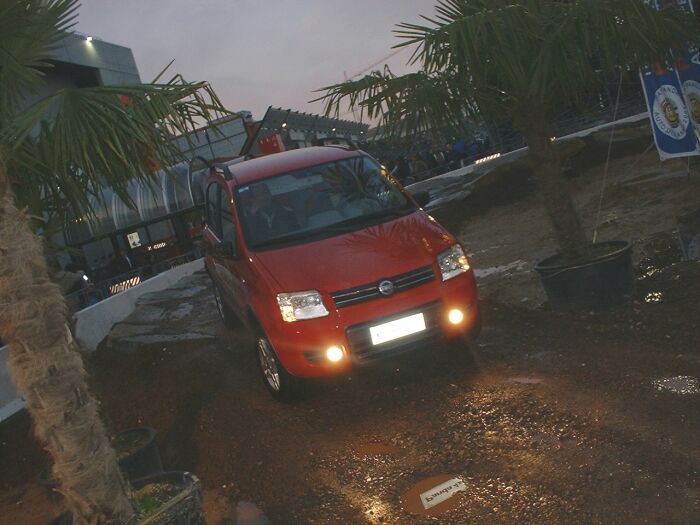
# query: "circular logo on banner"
670 114
692 95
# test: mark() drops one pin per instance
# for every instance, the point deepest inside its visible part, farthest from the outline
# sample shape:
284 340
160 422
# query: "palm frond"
67 146
509 59
404 105
29 31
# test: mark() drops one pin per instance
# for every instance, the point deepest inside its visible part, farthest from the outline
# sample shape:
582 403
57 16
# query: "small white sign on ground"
442 492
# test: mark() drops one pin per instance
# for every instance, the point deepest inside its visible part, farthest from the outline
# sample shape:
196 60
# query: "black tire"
227 316
282 385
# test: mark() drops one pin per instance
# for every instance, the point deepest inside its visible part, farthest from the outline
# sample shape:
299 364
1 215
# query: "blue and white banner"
673 98
674 133
689 75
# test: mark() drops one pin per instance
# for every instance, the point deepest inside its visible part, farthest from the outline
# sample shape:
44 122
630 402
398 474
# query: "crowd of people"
429 159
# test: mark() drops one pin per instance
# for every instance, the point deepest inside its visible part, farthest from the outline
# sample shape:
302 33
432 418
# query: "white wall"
94 323
9 402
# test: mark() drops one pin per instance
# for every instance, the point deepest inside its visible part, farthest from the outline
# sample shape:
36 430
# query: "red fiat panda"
331 263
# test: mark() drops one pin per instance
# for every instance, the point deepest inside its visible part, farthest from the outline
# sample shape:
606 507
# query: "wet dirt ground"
552 417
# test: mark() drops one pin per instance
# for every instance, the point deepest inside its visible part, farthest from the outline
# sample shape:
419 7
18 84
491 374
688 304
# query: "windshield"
318 201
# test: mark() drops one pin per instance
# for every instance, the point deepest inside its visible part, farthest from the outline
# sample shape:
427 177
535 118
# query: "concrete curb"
94 323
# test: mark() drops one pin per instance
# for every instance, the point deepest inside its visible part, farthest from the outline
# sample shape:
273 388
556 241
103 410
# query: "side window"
228 228
213 218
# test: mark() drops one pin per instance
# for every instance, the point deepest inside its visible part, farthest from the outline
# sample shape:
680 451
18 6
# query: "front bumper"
301 346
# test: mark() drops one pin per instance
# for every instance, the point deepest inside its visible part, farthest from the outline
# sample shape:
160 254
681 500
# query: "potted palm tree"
55 155
525 61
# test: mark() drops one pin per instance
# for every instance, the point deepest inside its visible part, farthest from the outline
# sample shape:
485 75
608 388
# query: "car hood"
356 258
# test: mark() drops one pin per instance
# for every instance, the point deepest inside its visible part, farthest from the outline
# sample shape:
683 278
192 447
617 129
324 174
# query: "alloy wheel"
219 304
268 364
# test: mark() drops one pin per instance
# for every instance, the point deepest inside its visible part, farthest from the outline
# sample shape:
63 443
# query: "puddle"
661 252
377 449
682 385
494 270
249 514
525 380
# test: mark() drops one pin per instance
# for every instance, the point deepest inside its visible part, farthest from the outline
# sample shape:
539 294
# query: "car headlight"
301 305
452 262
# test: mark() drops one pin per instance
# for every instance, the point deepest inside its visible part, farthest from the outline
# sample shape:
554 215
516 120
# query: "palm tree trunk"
546 163
48 371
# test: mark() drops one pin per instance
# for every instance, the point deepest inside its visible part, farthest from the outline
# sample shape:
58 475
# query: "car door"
226 260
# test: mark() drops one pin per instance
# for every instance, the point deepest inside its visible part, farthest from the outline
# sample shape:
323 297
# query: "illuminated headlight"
334 354
452 262
455 316
301 305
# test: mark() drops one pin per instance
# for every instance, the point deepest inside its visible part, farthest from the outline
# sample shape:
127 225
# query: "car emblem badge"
386 288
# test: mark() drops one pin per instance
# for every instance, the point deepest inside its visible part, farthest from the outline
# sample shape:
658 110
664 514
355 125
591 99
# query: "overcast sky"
256 53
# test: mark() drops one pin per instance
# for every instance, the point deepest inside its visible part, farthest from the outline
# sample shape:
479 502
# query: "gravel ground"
551 417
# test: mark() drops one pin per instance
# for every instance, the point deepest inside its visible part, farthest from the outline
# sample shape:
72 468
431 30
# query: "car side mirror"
226 249
421 197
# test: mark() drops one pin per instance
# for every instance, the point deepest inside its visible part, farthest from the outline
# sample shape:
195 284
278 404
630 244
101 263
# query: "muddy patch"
377 449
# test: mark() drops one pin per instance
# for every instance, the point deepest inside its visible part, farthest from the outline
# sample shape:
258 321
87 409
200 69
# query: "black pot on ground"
136 450
606 280
168 498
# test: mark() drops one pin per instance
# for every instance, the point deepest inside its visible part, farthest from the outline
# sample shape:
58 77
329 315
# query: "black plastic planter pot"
607 280
169 498
137 452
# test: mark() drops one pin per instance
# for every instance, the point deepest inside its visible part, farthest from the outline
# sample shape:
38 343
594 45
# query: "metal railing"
93 293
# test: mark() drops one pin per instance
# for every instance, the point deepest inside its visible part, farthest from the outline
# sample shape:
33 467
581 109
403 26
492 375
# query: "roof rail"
350 146
221 169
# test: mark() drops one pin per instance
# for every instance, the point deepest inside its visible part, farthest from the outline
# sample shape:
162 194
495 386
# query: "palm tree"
520 60
56 154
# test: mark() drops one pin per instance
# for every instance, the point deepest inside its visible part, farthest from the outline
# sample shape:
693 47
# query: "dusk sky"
256 53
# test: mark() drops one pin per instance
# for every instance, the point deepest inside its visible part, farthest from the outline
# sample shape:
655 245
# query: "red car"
331 263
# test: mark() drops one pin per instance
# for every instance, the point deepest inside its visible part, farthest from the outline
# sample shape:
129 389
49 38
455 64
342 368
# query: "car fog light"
455 316
334 354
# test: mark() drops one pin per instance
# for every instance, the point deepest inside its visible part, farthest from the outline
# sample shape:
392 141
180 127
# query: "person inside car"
267 218
342 194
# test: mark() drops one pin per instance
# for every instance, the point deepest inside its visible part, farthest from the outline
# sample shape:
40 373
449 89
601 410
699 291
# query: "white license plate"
396 329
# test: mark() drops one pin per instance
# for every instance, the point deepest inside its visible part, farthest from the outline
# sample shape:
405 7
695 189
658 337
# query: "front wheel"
281 384
227 316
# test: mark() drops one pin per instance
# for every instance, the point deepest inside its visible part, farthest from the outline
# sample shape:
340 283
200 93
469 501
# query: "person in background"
121 263
70 280
419 167
403 170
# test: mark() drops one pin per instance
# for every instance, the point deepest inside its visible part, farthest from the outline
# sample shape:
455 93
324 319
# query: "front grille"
363 350
370 291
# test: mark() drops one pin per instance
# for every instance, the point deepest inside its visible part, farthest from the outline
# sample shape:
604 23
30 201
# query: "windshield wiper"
380 214
286 238
338 227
